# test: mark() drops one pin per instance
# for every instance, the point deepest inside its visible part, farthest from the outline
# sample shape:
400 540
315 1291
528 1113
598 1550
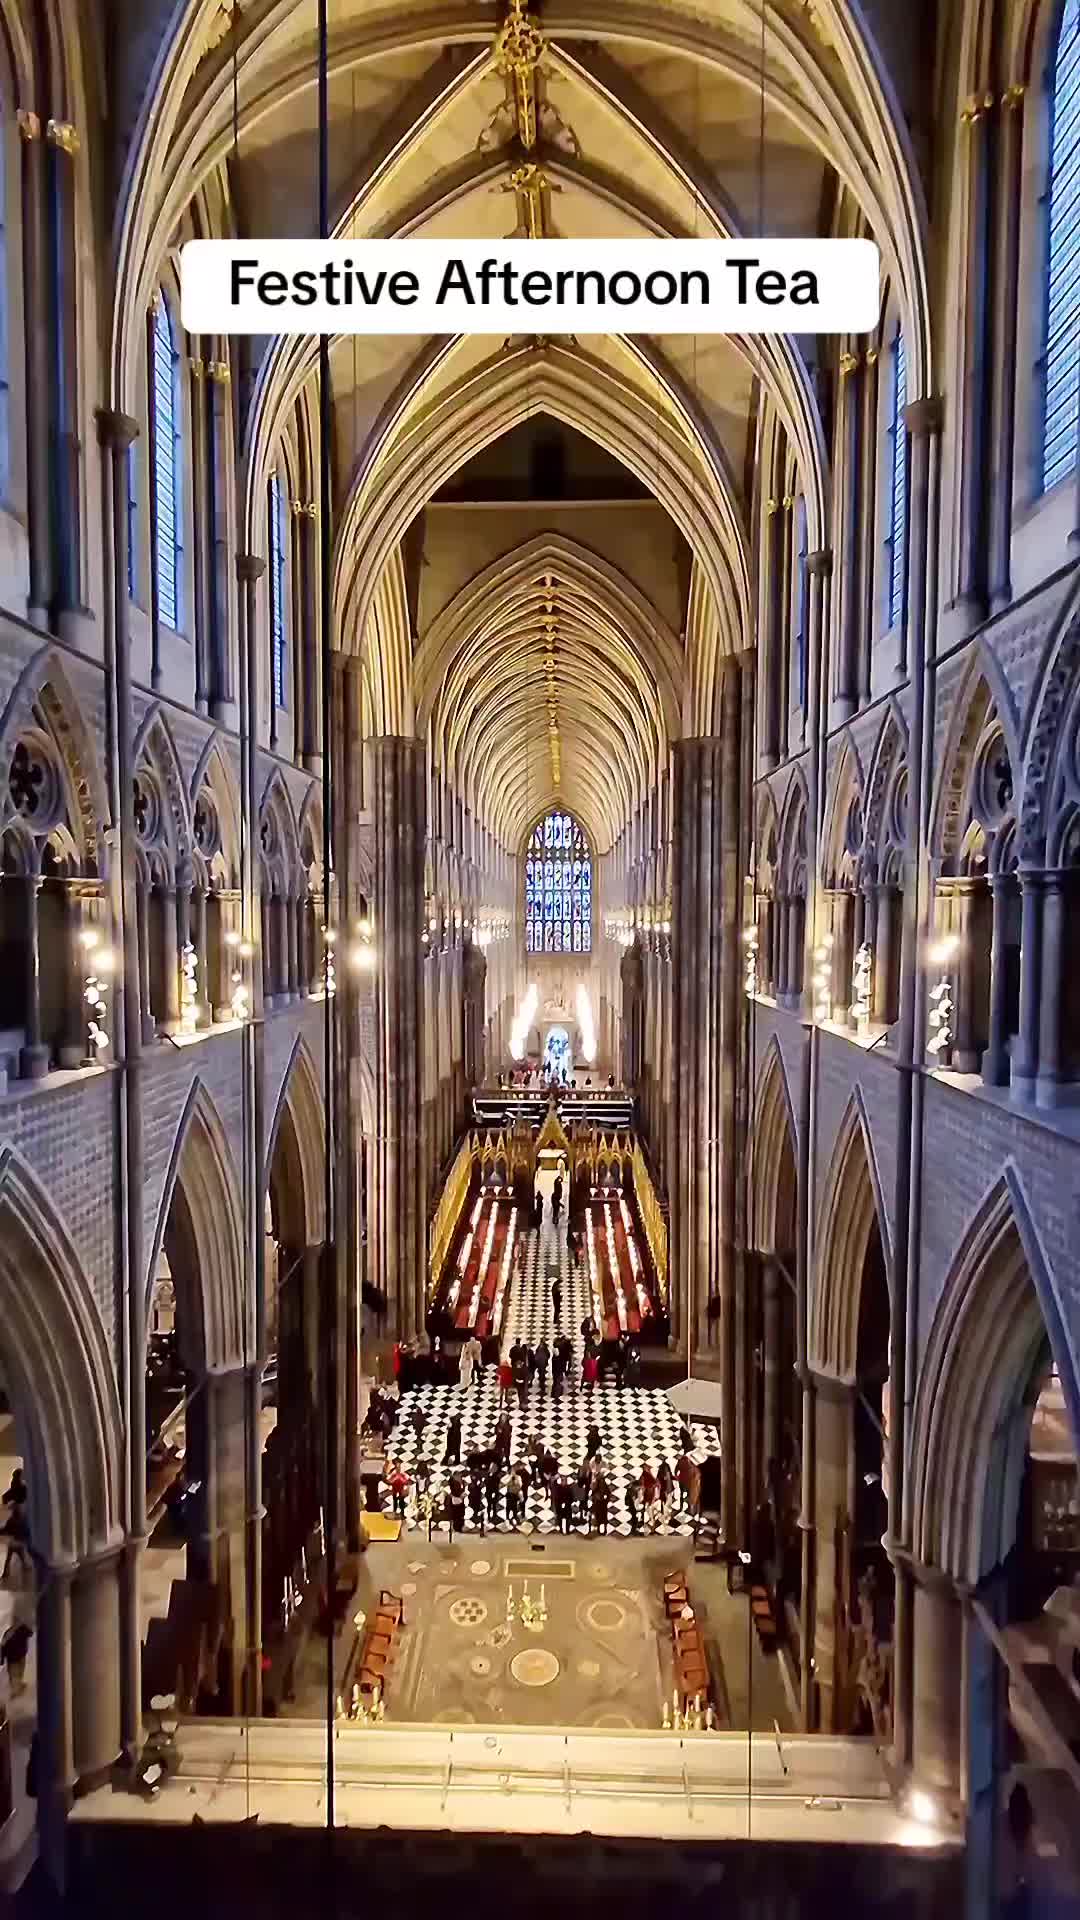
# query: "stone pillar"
218 429
183 926
292 929
309 745
77 965
770 1318
399 808
937 1706
171 968
127 899
56 1759
34 1056
883 953
833 1444
995 1061
848 650
1055 959
1026 1058
142 915
95 1646
209 991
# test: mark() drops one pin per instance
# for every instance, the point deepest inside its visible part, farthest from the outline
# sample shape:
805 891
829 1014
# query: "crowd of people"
490 1478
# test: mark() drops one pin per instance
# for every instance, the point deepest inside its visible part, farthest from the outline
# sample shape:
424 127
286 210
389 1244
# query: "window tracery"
558 887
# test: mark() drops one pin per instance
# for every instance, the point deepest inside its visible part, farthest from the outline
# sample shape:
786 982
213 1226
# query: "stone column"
56 1759
142 914
1026 1058
833 1443
117 432
883 953
218 429
868 521
1055 959
77 964
34 1056
280 912
95 1645
183 925
292 930
995 1061
399 806
208 990
771 1283
170 936
937 1705
848 650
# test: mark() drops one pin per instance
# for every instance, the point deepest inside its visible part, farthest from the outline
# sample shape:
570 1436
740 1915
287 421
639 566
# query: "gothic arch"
851 1204
972 1406
774 1137
44 698
279 842
59 1374
980 700
886 769
154 749
202 1181
298 1131
845 791
1052 772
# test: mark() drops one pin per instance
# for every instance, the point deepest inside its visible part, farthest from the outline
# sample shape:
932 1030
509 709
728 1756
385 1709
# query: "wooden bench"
688 1646
379 1643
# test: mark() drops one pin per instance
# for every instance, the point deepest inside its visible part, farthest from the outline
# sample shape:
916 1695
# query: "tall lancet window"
168 466
558 888
1061 357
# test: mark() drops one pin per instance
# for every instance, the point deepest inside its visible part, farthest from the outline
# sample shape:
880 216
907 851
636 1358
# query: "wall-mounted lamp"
750 960
861 976
822 981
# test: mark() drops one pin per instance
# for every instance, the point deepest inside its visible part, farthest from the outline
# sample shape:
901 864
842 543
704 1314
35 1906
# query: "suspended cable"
329 1289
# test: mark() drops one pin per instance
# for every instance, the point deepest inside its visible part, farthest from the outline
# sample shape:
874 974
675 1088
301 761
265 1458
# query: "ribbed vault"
483 690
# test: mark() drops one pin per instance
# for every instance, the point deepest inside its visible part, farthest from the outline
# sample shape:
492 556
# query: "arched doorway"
62 1425
849 1321
201 1398
290 1436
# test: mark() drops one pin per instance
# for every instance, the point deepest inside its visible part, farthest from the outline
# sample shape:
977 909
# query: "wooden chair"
393 1605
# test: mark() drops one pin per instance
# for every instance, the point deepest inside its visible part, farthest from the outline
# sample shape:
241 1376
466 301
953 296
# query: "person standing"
541 1359
476 1500
456 1502
594 1442
632 1498
556 1299
466 1363
648 1494
502 1436
494 1489
558 1371
590 1367
453 1441
418 1423
514 1499
13 1651
506 1381
398 1481
556 1202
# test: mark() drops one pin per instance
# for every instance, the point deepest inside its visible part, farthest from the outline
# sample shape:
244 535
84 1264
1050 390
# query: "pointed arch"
773 1159
851 1205
280 843
43 697
155 749
200 1212
846 788
58 1374
214 781
887 767
997 1314
298 1133
982 701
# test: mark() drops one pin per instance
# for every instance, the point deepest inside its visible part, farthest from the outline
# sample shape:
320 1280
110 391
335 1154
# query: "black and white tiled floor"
638 1424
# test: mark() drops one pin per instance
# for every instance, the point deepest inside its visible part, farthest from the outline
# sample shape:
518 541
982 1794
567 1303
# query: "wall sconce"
823 978
861 975
942 1005
95 992
750 961
362 948
329 973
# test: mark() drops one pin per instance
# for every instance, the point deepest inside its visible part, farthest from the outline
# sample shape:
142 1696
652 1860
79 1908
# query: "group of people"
545 1076
581 1497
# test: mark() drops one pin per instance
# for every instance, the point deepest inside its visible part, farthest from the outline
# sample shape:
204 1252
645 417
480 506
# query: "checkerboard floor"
638 1424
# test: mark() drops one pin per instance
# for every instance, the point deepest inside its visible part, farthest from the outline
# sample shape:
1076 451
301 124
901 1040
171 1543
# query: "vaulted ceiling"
582 118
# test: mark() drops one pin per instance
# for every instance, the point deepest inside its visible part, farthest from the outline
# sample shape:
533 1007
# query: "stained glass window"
558 888
1061 366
